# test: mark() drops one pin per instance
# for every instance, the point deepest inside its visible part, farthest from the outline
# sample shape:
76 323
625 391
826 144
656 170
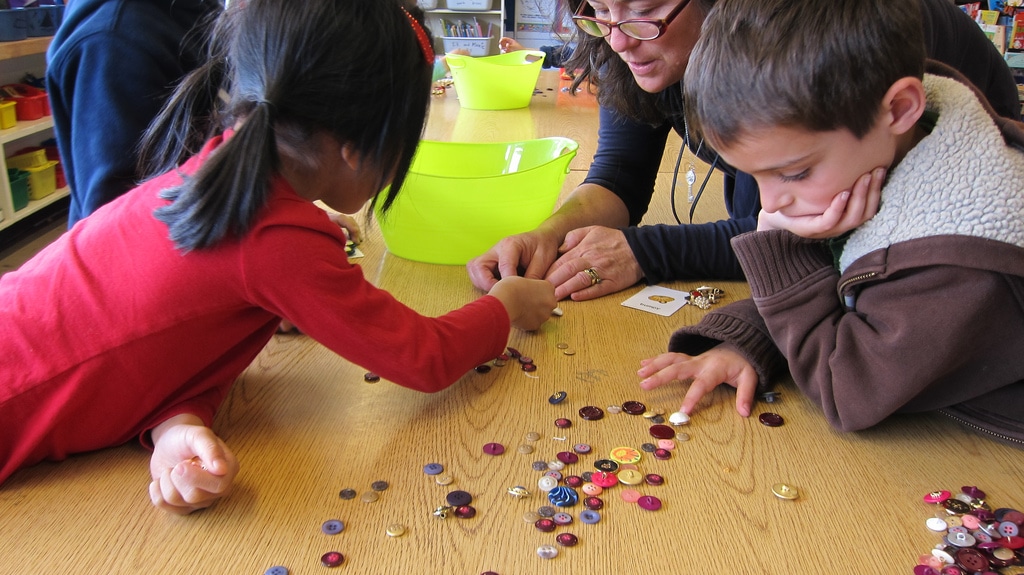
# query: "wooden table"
305 425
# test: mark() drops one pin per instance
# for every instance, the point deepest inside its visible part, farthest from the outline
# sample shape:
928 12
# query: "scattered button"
443 479
546 525
347 494
494 448
679 418
442 512
770 419
525 449
540 465
974 493
332 559
662 454
630 477
682 437
573 481
457 498
370 377
562 518
605 479
276 570
513 353
566 539
546 511
666 444
557 398
465 511
547 483
395 530
936 524
936 496
633 407
567 457
562 423
557 475
590 516
591 413
606 465
614 409
433 468
563 496
531 516
482 368
569 351
784 491
662 432
581 448
379 486
556 465
630 495
648 447
332 527
370 497
654 479
547 552
649 502
562 345
518 491
532 436
593 503
528 367
956 507
624 455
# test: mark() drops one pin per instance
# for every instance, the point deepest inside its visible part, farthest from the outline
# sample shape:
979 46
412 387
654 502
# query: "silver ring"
594 278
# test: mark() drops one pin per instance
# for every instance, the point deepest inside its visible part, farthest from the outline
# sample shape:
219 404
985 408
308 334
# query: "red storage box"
30 102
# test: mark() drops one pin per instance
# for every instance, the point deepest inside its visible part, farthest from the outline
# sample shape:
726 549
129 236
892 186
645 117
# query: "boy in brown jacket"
887 271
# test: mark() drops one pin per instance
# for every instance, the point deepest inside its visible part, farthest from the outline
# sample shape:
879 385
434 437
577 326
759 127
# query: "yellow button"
783 491
444 479
370 497
630 477
395 530
626 455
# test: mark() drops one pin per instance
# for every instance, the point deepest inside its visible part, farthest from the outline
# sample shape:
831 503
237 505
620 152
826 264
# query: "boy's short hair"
820 65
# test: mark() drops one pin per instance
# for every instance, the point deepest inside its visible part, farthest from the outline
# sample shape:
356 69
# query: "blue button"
276 570
590 517
332 527
433 468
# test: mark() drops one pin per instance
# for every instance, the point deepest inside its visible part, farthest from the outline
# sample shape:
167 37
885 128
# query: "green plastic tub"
500 82
19 187
460 199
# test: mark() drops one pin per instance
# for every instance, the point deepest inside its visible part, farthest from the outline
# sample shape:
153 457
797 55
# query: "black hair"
602 68
352 69
820 65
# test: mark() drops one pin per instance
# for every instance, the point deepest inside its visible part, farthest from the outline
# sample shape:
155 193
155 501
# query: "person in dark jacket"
915 301
110 67
590 247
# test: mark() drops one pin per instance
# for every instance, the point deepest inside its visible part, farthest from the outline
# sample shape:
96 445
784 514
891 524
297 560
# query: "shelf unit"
438 10
42 128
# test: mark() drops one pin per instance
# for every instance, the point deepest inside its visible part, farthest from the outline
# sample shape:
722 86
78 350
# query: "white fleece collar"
961 179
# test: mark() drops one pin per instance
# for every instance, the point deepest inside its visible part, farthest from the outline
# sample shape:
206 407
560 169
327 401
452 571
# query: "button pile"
976 538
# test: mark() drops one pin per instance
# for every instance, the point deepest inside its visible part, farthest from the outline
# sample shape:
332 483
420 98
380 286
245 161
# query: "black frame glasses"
637 28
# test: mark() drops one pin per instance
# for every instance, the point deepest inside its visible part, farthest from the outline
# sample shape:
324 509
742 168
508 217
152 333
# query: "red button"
332 559
591 413
567 539
545 525
771 419
662 432
633 407
593 503
562 423
604 479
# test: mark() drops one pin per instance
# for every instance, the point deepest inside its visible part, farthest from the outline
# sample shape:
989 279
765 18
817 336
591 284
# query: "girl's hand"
191 467
720 365
506 44
847 211
347 223
529 303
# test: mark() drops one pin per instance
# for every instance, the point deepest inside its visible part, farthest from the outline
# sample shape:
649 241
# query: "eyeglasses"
638 28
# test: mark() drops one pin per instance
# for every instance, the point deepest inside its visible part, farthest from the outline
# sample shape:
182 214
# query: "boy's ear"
904 102
351 157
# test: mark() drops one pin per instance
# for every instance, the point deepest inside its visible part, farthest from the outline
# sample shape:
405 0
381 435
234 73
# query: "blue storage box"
42 20
13 25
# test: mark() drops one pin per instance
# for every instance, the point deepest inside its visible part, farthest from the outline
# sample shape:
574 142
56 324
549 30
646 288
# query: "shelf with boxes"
471 25
33 179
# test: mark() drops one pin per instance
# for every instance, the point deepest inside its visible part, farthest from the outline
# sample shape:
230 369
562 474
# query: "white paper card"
658 300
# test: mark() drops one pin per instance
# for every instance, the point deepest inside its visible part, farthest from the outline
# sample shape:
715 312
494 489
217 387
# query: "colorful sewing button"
936 524
654 479
566 539
395 530
557 397
332 559
379 485
573 481
956 507
556 475
630 495
561 518
625 455
567 457
563 423
532 436
662 453
525 449
649 502
662 432
606 465
465 511
972 560
592 488
563 496
547 483
593 503
591 413
546 525
556 465
633 407
276 570
590 516
666 444
369 497
679 418
581 448
433 468
547 552
458 497
630 477
546 511
332 527
605 479
494 448
482 368
974 493
936 496
771 419
614 409
518 491
785 491
370 377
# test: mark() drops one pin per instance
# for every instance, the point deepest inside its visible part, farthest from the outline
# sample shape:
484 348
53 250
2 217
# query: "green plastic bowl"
460 199
500 82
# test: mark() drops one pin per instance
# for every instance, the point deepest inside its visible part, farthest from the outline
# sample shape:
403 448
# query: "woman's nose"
620 42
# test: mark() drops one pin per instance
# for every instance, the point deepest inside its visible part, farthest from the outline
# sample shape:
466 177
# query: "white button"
547 483
679 418
936 524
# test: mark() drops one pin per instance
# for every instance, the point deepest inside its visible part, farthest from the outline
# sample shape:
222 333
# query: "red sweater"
111 330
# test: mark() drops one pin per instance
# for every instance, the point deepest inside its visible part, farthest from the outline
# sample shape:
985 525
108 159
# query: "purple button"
494 448
662 432
654 479
593 503
567 457
458 498
567 539
574 480
590 516
974 493
649 502
633 407
924 570
662 453
332 559
591 413
332 527
562 423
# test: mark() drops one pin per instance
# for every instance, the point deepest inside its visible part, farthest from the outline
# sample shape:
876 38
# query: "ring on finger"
594 278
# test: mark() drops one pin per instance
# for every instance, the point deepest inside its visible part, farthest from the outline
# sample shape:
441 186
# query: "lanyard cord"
675 173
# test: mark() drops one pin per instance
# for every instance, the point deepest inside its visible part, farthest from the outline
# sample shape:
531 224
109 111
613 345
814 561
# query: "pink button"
592 489
936 496
630 495
666 444
970 521
605 478
649 502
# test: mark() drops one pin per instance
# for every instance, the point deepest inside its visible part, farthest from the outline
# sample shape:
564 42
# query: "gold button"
532 436
783 491
630 477
444 479
525 449
395 530
370 497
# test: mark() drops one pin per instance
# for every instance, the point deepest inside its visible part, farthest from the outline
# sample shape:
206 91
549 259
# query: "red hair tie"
421 35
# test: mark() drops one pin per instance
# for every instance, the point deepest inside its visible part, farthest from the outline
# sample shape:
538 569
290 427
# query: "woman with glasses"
636 52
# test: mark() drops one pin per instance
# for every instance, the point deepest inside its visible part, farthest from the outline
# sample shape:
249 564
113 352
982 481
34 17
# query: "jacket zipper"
976 427
856 278
850 301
